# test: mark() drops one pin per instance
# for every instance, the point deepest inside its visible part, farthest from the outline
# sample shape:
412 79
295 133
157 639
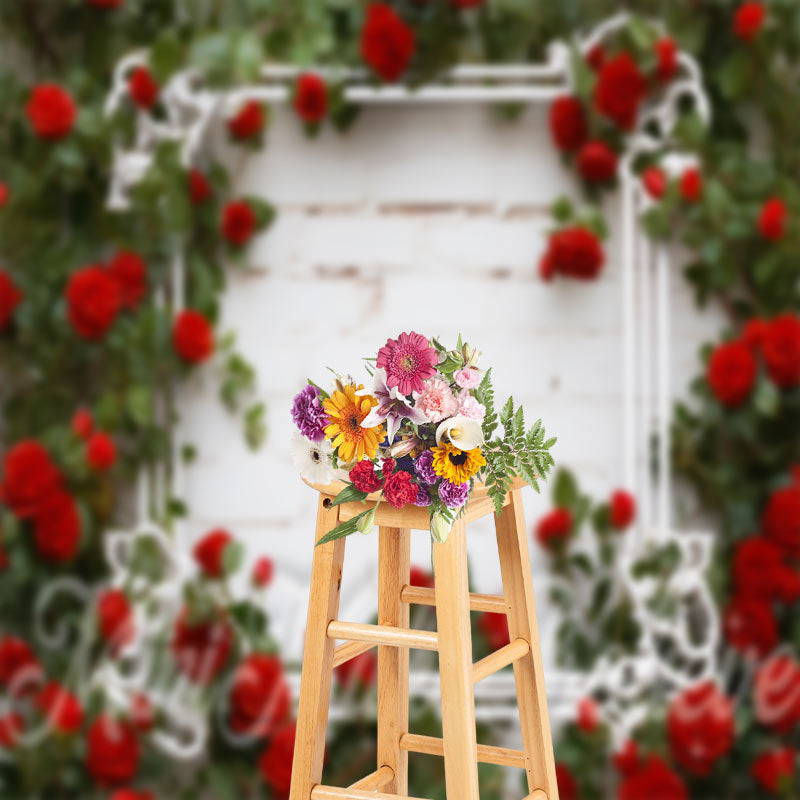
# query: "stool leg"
537 741
394 552
455 666
315 682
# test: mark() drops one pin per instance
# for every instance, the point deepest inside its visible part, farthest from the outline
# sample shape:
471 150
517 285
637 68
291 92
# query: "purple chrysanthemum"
423 498
423 466
309 415
453 495
408 360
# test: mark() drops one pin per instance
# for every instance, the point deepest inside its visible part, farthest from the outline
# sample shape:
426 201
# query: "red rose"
82 423
115 619
51 111
588 716
748 20
749 625
29 477
619 90
19 667
781 520
192 336
567 785
130 272
554 528
11 727
597 162
655 182
627 759
387 43
311 98
112 751
93 300
10 298
263 570
700 727
654 780
731 373
622 508
772 219
575 252
101 452
142 713
209 552
775 768
666 58
238 222
760 571
62 709
360 671
495 628
260 696
753 332
780 346
399 490
201 648
57 528
143 88
199 187
275 763
364 478
596 56
691 185
420 577
776 693
248 122
3 193
567 123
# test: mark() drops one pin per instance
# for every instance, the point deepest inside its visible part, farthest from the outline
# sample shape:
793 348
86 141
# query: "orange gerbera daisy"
347 410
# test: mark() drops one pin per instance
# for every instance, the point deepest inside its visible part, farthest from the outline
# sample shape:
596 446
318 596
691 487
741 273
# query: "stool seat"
452 641
414 517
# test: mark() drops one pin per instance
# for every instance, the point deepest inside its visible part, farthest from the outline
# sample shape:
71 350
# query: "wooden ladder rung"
538 794
383 634
320 792
422 596
348 651
487 754
500 658
375 780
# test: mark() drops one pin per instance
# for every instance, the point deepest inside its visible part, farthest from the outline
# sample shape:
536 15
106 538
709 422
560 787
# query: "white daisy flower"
312 459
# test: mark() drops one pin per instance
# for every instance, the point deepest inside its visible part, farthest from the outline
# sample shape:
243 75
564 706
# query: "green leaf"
232 557
344 529
139 403
565 490
349 494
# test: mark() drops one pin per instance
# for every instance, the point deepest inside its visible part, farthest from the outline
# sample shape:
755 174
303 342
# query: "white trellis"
191 110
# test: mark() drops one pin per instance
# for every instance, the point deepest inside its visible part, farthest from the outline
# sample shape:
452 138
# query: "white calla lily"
462 432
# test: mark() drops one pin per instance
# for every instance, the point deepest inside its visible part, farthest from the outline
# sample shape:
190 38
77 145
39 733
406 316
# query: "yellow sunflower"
346 411
457 466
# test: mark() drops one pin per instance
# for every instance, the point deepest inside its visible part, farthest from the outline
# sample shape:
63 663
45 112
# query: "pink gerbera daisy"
408 361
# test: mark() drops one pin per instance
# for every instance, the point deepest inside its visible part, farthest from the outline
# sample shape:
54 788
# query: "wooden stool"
452 641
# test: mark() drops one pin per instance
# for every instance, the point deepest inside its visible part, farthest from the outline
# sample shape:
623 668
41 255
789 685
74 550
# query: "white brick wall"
422 218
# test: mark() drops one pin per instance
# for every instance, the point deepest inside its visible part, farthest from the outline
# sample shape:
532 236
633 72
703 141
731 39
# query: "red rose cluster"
51 111
96 294
387 42
201 646
248 122
575 252
554 528
311 98
647 776
733 366
143 88
32 487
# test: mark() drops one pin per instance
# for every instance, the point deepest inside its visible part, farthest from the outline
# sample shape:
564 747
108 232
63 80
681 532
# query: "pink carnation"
470 408
437 400
467 378
408 360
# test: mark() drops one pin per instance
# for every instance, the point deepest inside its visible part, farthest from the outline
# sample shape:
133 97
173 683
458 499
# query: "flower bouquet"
422 435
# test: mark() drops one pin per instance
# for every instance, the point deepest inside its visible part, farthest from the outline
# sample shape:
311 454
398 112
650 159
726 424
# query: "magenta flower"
408 361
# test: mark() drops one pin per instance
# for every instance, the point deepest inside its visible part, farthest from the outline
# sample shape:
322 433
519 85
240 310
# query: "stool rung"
320 792
500 658
348 651
538 794
422 596
375 780
383 634
487 754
